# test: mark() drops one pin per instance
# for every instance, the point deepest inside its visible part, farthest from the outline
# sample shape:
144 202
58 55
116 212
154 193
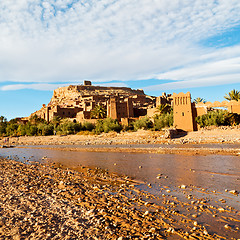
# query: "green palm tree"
56 121
233 95
198 100
99 112
2 119
163 108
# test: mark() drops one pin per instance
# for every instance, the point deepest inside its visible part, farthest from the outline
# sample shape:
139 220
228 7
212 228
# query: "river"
208 177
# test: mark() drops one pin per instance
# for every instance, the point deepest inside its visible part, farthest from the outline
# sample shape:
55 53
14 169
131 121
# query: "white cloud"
101 40
51 87
37 86
217 68
197 82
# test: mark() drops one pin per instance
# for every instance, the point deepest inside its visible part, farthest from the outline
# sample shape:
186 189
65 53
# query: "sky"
155 45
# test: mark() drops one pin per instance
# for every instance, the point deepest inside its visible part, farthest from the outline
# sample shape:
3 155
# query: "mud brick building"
125 104
185 112
77 102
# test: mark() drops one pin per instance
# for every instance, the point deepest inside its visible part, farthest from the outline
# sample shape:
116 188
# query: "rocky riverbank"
48 201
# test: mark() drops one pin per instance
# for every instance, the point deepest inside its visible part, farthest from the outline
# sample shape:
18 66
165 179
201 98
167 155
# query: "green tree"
163 108
45 129
68 127
163 120
198 100
56 121
99 112
143 123
21 131
2 119
3 125
216 118
35 119
108 125
31 130
11 129
233 95
87 126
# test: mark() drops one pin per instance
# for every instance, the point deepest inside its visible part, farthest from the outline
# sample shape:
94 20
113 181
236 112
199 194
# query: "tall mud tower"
182 112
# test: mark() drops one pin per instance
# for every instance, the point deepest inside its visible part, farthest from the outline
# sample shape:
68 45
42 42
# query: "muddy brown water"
206 177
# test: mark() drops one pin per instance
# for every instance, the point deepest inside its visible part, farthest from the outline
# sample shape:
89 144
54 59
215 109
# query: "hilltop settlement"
77 103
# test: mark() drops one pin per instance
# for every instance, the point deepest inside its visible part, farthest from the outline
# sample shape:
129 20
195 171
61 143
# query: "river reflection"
215 172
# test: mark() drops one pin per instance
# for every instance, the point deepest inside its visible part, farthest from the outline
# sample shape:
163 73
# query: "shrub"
21 131
35 120
11 129
232 119
108 125
31 130
3 125
99 127
45 129
216 118
87 126
143 123
68 127
163 120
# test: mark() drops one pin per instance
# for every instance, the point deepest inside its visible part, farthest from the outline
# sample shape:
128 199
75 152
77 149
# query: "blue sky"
157 45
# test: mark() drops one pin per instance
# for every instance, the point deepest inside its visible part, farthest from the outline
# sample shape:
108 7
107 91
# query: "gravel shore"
46 201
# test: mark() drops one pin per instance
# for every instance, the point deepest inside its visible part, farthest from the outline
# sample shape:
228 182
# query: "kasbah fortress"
125 104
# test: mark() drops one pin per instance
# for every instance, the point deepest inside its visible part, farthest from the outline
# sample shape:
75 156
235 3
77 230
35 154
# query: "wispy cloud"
38 86
217 68
51 87
63 40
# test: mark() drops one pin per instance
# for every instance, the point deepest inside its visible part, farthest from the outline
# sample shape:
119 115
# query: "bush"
45 129
143 123
11 129
87 126
21 131
108 125
216 118
31 130
163 120
68 127
233 119
99 127
3 126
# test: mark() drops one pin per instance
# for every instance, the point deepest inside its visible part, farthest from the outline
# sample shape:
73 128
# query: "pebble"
233 192
195 223
221 209
227 226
